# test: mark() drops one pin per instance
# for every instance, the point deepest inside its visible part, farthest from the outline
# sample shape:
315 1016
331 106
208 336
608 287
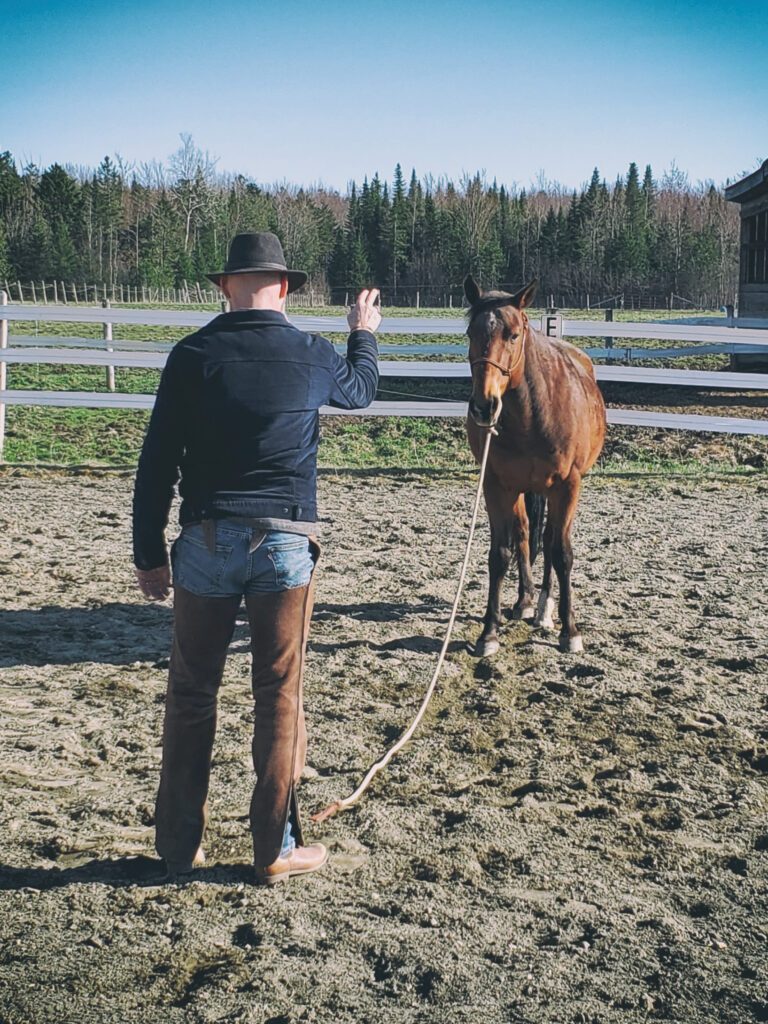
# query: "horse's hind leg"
562 509
546 606
524 609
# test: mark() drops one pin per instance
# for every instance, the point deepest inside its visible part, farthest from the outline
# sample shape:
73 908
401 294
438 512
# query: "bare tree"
192 174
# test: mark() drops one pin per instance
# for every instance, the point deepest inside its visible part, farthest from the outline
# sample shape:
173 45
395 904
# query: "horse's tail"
536 507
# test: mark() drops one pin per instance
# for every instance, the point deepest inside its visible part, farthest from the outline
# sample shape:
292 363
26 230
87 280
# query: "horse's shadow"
376 611
118 872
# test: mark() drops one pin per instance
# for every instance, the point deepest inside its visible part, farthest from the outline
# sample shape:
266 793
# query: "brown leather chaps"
203 628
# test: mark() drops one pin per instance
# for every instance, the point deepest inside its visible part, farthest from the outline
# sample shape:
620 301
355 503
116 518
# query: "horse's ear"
471 289
524 297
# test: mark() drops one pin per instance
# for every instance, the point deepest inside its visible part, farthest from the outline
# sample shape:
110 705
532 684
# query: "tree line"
161 224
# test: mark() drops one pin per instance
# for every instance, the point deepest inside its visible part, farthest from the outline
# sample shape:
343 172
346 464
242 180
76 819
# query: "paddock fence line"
57 292
413 296
46 349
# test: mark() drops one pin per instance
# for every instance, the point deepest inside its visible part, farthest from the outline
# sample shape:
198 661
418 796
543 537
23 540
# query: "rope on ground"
353 798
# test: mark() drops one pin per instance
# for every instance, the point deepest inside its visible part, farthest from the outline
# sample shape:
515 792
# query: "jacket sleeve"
354 380
158 470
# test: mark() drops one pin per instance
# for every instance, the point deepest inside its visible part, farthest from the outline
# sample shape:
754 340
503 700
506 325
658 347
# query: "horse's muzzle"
485 412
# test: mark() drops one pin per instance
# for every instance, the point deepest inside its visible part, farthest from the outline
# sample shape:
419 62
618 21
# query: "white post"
108 339
3 344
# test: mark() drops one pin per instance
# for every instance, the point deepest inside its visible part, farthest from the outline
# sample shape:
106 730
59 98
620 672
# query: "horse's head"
497 329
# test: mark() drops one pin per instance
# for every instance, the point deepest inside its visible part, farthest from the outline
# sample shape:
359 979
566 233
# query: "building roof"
751 187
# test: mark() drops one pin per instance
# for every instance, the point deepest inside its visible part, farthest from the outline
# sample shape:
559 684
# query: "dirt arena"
570 839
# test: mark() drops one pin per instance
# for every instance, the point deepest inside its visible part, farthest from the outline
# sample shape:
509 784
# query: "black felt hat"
256 252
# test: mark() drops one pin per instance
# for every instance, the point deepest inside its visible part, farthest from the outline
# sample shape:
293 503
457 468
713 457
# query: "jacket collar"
248 316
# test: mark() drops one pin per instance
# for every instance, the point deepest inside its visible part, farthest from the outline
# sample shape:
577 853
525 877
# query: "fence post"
3 344
108 339
609 320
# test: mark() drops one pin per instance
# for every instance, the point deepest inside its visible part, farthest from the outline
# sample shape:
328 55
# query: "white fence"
113 353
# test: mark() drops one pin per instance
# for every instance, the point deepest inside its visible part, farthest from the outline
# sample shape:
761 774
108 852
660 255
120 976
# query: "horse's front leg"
499 557
498 503
562 503
524 609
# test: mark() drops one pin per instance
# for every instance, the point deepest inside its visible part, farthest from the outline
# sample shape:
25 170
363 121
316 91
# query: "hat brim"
296 278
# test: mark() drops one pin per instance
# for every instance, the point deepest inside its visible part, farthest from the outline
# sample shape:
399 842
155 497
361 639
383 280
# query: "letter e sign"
552 325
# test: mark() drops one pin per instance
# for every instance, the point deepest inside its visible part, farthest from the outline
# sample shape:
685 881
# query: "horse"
540 397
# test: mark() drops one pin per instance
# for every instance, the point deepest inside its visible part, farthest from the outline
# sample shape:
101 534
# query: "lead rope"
353 798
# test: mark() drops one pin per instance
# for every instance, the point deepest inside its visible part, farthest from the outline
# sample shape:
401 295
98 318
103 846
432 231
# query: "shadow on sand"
118 872
119 633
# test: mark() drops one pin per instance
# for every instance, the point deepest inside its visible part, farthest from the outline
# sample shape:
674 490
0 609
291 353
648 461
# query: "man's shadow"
120 633
118 872
115 634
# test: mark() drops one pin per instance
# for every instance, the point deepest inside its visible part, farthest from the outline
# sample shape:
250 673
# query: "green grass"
113 438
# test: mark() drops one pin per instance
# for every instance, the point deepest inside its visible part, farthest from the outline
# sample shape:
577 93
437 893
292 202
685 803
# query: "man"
236 417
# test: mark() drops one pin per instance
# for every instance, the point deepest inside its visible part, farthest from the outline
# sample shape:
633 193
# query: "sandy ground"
571 839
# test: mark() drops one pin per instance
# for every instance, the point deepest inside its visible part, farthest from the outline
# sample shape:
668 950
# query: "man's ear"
224 286
471 289
283 286
524 297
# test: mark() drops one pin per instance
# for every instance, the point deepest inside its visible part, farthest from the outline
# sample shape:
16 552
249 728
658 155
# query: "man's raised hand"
365 315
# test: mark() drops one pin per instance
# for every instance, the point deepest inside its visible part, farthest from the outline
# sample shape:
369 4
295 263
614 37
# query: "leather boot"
279 627
202 631
300 861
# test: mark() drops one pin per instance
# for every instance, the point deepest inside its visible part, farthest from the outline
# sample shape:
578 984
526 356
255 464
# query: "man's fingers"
371 297
362 297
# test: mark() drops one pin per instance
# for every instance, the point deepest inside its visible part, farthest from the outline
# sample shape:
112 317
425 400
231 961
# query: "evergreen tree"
399 228
5 259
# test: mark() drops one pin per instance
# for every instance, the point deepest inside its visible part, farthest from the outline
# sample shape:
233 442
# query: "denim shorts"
282 561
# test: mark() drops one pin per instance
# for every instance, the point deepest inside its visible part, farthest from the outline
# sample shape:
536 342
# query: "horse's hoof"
571 644
545 612
487 646
526 612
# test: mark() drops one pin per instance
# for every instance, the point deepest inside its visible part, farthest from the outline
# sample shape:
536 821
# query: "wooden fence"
113 353
54 292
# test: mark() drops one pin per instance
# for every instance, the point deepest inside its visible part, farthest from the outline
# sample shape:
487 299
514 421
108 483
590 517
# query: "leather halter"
507 370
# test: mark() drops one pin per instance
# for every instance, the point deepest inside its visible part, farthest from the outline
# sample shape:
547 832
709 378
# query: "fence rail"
728 380
437 409
84 351
726 334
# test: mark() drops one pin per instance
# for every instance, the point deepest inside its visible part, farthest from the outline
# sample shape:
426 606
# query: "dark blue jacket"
236 415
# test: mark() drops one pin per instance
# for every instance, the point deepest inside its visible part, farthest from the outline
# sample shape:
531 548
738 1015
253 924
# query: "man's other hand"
155 584
365 315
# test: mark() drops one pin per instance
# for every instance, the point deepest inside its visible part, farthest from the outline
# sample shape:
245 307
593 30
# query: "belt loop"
209 534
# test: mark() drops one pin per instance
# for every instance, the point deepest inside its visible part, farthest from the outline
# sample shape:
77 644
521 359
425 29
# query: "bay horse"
541 396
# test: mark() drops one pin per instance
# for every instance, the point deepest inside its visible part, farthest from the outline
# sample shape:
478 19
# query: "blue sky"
329 91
